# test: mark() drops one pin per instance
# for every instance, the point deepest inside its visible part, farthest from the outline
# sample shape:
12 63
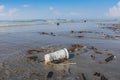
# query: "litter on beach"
110 58
57 56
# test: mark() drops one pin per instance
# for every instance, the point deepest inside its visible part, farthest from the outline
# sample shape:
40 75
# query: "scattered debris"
58 23
92 48
50 74
85 32
52 34
32 58
93 57
76 45
110 58
75 48
71 50
80 31
80 36
97 74
71 56
72 31
57 56
106 36
85 49
103 77
85 20
45 33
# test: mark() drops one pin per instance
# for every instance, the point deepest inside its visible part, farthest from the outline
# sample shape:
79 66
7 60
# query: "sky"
59 9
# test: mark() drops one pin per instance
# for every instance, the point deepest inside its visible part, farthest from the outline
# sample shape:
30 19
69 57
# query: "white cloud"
2 13
25 5
54 11
115 10
2 8
12 11
7 12
51 8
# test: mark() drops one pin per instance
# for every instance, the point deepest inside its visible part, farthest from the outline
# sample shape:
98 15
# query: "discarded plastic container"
110 58
57 56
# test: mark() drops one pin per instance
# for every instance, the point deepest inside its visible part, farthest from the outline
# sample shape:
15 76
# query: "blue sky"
53 9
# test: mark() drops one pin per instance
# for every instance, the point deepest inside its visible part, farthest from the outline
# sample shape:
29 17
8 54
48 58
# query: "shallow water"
24 36
15 41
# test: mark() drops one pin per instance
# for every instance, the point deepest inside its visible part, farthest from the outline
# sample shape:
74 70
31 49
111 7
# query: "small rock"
71 31
58 24
50 74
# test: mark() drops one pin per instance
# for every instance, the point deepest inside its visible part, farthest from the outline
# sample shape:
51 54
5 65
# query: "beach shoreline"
89 48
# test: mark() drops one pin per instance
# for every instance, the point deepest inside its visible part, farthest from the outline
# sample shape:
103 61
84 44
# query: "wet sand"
89 44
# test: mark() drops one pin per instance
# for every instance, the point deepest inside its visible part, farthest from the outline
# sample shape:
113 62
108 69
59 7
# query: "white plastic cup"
57 55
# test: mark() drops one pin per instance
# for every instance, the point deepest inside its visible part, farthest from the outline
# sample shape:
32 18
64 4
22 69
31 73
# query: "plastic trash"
110 58
57 56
